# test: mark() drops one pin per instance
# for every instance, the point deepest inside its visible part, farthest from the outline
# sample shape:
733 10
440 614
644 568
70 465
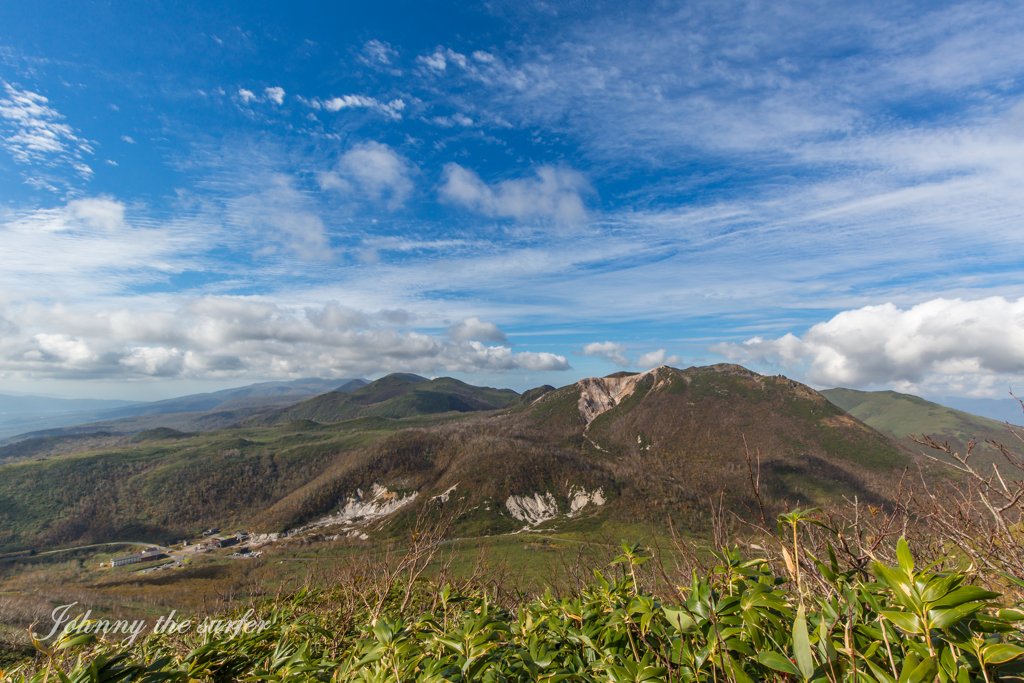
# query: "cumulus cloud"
374 170
474 328
610 351
221 337
657 358
246 96
275 95
555 193
438 60
940 346
617 354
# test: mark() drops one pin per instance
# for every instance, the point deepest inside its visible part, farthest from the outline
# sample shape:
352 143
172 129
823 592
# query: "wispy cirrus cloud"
380 55
92 248
392 109
751 181
34 133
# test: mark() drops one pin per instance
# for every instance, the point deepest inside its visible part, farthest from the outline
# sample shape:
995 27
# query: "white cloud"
276 211
374 170
36 132
658 358
246 96
90 247
474 328
392 109
339 103
617 354
128 139
555 193
949 346
610 351
438 60
275 95
456 119
33 133
333 316
221 337
435 61
376 52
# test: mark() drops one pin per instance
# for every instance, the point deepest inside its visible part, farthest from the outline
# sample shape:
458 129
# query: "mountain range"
658 447
35 416
647 448
903 416
395 396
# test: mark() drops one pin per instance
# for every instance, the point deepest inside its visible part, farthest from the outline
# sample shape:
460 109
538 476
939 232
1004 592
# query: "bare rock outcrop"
601 394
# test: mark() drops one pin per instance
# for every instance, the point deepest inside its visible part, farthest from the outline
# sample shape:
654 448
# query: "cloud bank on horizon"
512 194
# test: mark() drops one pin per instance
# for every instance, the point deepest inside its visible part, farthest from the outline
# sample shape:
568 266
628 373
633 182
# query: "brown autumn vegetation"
662 454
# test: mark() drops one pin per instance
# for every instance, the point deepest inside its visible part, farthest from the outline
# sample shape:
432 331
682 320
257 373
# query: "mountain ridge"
639 448
905 415
218 409
396 395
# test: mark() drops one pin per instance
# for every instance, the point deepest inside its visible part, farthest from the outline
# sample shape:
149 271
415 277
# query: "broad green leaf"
85 639
680 620
938 587
906 560
1011 614
964 594
923 671
738 674
880 673
909 664
773 660
1000 653
901 585
802 645
906 621
948 617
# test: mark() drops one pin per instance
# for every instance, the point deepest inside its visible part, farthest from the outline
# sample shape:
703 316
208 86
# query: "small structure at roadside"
147 555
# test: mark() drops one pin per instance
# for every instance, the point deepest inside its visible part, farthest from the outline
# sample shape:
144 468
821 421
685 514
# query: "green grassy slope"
394 396
902 415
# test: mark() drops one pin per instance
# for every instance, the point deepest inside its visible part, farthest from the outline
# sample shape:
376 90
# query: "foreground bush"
738 623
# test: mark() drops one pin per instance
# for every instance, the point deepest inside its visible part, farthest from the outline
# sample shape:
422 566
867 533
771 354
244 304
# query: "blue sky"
510 193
